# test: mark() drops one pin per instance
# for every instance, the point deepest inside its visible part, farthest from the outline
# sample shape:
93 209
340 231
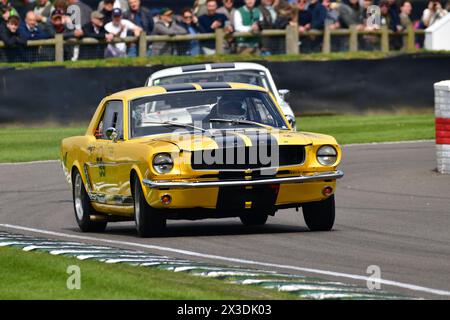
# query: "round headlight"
163 163
327 155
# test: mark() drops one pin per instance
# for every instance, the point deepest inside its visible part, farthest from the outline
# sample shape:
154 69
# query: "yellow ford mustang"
194 151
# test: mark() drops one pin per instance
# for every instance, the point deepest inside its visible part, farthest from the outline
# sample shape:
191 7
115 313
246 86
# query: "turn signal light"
166 199
327 191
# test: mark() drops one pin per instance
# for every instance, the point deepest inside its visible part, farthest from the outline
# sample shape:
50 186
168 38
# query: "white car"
242 72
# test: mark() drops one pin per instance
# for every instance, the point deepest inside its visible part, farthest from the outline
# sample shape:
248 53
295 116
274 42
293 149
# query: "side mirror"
284 93
111 134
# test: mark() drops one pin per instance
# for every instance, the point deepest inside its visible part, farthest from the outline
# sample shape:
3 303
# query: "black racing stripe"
215 85
225 65
178 87
196 67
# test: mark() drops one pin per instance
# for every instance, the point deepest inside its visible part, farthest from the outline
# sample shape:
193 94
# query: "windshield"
254 77
203 110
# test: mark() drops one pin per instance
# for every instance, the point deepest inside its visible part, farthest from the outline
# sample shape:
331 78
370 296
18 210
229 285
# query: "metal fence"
290 42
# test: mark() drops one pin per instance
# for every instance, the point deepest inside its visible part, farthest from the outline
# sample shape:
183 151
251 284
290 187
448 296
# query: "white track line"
385 143
27 163
235 260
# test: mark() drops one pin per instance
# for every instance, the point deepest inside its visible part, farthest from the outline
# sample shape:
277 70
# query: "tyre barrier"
442 112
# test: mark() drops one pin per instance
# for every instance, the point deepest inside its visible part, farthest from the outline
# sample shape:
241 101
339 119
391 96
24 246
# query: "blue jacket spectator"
212 20
140 16
318 14
30 29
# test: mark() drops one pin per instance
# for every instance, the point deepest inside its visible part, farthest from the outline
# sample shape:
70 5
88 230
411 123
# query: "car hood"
235 138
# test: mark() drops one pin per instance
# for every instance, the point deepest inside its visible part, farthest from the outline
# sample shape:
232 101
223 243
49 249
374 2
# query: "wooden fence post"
326 44
410 39
292 39
220 39
384 39
353 39
142 45
59 48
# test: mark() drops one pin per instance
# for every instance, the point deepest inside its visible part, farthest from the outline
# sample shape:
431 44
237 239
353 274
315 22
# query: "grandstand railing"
291 35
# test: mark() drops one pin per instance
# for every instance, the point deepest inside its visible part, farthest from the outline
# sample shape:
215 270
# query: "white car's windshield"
254 77
203 110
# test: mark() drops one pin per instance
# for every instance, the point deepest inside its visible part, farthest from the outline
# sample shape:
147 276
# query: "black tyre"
319 216
253 219
83 208
149 222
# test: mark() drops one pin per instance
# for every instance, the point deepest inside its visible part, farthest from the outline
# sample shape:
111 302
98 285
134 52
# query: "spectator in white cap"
120 28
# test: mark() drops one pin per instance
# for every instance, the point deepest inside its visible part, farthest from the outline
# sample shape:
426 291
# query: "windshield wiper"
176 124
240 122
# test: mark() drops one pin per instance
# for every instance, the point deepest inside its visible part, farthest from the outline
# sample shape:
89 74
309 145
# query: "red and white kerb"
442 111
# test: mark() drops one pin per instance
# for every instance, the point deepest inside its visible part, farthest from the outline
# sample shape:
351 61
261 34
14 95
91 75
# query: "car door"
102 163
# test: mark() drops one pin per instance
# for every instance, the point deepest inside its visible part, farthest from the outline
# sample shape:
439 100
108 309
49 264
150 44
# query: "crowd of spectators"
43 19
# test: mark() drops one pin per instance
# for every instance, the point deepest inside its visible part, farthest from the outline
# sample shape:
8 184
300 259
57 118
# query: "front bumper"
329 175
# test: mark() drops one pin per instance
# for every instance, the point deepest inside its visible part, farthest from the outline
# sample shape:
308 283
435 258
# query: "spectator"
405 13
140 16
318 14
106 10
285 13
60 5
199 7
433 13
85 12
228 10
43 10
12 39
269 14
212 20
387 18
30 30
120 28
122 4
57 25
166 26
332 18
95 29
350 14
304 17
6 10
394 13
247 19
209 22
190 24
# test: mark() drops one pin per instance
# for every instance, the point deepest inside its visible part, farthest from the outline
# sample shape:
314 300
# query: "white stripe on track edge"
28 162
236 260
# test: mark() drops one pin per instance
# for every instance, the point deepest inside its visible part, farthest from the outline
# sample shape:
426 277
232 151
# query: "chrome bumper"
330 175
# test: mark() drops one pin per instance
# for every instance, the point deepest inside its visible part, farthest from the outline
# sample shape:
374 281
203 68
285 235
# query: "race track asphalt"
393 211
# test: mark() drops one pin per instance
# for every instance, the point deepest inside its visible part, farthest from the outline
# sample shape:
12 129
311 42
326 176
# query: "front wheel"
319 216
149 222
83 207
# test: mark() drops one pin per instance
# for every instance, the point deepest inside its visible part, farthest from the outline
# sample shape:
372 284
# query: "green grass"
31 275
371 128
177 60
28 144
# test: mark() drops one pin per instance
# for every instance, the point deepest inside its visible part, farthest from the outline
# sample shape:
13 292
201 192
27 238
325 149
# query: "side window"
112 117
262 112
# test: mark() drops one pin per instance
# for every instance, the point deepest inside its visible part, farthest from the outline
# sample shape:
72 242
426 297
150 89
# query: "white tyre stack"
442 112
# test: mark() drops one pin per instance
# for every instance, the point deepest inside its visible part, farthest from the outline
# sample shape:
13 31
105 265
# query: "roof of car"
147 91
208 67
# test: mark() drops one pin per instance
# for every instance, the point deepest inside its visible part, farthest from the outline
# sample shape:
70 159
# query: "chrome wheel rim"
77 198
